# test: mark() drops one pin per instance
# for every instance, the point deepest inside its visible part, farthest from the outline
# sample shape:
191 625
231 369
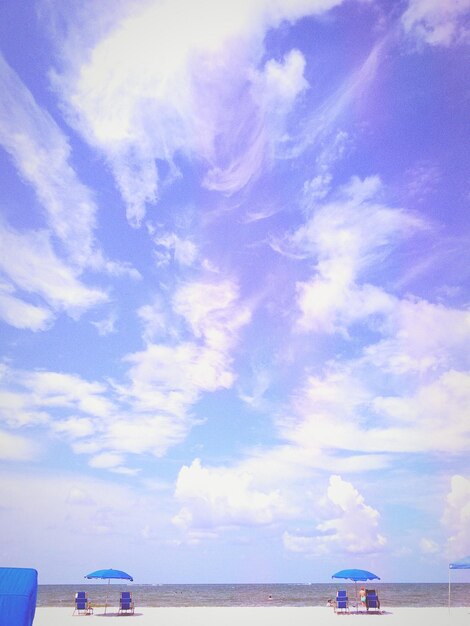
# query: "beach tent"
18 592
460 564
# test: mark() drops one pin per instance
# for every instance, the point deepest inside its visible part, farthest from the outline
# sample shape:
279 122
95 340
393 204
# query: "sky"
234 288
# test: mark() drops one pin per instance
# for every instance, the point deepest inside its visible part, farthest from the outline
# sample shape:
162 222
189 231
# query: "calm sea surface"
391 594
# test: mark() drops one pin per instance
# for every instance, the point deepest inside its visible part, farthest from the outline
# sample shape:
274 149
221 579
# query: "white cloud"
75 427
146 110
456 517
106 460
429 546
150 412
346 236
154 320
171 246
55 389
354 530
17 448
106 326
41 154
169 377
218 497
283 82
212 311
321 129
28 260
143 433
438 22
20 314
423 337
67 508
342 412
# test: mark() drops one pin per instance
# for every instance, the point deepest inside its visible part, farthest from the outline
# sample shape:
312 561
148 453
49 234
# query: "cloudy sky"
234 288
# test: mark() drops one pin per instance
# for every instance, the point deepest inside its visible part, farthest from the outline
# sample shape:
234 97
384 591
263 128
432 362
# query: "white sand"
253 616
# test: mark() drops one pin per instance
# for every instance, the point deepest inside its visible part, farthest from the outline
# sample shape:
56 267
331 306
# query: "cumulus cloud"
221 497
437 23
456 516
145 110
354 530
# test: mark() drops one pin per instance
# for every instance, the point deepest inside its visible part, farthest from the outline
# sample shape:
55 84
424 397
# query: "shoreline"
253 616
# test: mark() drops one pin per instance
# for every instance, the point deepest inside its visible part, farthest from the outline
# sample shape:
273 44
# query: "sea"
227 595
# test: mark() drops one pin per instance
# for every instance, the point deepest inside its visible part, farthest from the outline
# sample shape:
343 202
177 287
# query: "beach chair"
82 605
341 602
126 604
372 600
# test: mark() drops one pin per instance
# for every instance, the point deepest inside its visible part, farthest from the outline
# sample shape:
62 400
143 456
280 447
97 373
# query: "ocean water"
390 594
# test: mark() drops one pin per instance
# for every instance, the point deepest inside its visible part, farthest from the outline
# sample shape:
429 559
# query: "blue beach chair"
82 605
372 600
126 604
341 602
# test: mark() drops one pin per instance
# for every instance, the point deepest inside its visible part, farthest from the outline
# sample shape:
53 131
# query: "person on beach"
362 596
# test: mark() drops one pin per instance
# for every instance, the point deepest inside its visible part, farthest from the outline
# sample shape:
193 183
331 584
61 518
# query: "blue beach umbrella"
109 574
356 575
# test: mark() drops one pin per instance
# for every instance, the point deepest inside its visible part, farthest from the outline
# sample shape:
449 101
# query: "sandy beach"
253 616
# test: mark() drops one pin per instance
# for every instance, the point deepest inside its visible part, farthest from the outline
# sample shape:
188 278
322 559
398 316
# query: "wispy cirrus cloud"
30 264
41 153
171 374
200 95
346 236
53 257
20 314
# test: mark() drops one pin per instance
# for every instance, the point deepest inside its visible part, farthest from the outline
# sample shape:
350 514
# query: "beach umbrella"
460 564
356 575
109 574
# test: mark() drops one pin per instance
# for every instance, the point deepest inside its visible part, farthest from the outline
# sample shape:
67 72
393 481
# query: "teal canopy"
461 563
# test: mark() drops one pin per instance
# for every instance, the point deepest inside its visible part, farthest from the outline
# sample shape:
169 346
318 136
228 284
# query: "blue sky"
234 288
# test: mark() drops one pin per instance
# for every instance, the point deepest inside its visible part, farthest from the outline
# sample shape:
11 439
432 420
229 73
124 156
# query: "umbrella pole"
106 600
449 590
